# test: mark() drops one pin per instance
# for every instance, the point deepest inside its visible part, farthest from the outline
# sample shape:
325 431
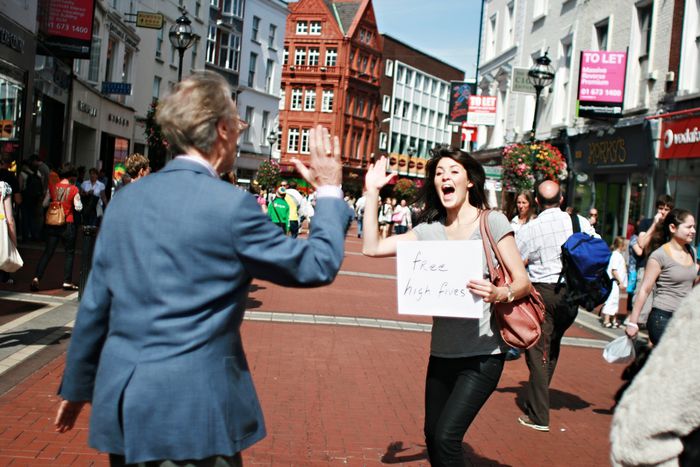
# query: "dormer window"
302 27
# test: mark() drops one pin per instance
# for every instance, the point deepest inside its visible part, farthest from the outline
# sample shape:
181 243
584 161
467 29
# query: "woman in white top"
401 218
525 204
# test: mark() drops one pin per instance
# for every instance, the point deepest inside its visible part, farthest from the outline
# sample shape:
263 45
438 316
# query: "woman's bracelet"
634 325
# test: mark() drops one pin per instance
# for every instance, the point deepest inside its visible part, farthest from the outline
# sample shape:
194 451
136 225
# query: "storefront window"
11 99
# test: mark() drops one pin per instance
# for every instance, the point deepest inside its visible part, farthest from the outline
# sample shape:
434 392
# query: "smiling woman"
466 355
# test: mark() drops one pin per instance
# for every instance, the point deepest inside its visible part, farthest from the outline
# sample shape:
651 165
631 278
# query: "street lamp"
540 76
272 139
181 37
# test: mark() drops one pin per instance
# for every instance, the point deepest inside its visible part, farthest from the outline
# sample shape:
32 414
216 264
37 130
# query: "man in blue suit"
156 347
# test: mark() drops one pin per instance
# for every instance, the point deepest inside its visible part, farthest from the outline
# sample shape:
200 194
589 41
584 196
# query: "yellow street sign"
145 19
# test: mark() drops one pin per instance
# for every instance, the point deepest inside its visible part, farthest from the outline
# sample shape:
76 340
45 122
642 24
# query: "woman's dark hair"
67 171
662 231
428 195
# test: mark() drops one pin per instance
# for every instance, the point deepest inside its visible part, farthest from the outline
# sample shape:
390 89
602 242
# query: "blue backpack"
584 260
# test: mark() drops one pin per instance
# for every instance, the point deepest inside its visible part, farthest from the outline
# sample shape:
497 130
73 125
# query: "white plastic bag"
620 350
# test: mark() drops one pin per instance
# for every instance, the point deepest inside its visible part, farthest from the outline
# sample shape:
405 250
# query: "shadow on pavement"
557 399
391 456
394 450
30 336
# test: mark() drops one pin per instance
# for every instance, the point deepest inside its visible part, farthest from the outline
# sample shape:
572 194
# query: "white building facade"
262 55
611 160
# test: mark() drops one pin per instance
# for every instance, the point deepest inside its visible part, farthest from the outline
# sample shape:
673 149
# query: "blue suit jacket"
156 345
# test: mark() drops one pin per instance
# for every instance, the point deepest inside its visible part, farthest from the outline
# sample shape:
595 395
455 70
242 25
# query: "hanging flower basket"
527 163
268 174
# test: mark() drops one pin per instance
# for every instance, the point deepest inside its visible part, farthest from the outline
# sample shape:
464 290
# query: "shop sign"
145 19
493 172
87 108
520 83
482 110
601 83
460 92
680 139
110 87
66 26
11 40
121 121
626 149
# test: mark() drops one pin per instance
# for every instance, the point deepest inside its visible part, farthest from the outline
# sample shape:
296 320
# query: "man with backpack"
540 243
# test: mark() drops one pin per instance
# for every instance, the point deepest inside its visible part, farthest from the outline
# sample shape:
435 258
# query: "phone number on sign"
67 27
601 92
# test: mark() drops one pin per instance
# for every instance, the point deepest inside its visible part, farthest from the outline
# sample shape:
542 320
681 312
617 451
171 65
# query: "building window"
327 102
363 63
269 75
286 56
400 74
510 30
314 55
389 68
419 81
197 8
386 103
382 141
310 100
492 36
331 57
249 119
111 55
211 44
296 99
233 7
304 141
300 56
360 107
397 106
264 127
229 52
159 43
283 96
302 27
315 28
155 93
214 3
601 33
195 48
644 19
293 140
539 9
256 27
94 69
251 69
271 36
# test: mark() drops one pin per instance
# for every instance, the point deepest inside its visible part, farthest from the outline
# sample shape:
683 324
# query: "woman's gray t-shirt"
463 337
674 282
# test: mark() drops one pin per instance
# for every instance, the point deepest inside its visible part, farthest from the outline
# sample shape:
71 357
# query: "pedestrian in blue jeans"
671 272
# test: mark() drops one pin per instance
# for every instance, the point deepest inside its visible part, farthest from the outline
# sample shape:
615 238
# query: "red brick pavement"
337 395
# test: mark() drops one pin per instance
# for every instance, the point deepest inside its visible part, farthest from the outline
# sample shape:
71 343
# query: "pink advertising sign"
602 76
482 110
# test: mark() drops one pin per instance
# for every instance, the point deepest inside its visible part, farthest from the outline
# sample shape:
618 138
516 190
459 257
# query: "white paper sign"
432 278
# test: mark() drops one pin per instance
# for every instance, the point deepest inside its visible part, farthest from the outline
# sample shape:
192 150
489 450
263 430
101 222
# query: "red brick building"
330 77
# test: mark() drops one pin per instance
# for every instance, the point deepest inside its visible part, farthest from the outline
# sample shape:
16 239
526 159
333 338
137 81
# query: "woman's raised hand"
376 176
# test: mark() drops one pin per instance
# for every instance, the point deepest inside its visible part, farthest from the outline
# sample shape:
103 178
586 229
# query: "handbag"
519 321
55 215
397 218
10 260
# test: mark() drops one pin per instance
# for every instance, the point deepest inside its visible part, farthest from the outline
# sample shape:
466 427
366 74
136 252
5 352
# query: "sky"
445 29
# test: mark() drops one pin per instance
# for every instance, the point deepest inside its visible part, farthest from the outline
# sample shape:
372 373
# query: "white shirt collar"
201 161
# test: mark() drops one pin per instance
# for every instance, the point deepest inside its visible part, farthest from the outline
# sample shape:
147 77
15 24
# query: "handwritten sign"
432 278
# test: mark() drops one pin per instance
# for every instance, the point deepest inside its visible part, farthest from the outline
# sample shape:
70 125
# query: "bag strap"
575 223
487 239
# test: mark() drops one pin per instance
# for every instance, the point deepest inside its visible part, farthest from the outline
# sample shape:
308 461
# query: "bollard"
89 234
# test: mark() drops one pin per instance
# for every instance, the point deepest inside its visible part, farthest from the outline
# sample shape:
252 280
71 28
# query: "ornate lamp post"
540 76
181 37
272 139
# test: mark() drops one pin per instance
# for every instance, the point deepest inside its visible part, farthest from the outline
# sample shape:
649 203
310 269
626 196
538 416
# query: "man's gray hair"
189 115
